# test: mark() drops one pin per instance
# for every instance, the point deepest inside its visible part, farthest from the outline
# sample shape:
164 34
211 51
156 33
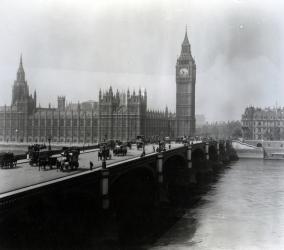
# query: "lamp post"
49 147
17 134
104 158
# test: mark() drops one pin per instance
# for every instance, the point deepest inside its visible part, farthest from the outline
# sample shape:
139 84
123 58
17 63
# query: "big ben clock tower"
185 91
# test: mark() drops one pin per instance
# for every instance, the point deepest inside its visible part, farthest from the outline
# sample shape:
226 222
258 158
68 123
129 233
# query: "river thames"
244 209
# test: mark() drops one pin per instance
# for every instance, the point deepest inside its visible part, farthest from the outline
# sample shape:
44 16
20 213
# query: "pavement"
24 175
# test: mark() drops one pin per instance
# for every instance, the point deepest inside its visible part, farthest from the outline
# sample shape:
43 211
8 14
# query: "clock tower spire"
185 91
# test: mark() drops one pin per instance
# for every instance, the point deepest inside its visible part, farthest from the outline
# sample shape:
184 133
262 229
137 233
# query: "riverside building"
116 115
263 124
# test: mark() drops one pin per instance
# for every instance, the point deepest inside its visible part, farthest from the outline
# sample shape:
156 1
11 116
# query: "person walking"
91 165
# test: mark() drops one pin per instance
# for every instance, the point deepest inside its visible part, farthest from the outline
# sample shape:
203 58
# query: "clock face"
183 72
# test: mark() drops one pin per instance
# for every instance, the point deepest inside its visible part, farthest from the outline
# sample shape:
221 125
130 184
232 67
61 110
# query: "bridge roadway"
24 175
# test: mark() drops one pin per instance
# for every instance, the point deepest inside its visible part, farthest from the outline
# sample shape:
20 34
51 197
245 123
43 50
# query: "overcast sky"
75 47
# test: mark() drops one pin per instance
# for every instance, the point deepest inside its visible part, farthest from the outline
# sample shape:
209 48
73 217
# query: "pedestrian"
169 146
58 165
91 165
154 149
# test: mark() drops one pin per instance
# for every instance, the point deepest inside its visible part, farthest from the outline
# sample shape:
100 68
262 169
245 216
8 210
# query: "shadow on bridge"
176 179
133 196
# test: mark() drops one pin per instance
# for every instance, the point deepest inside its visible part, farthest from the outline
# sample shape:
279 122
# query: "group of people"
161 147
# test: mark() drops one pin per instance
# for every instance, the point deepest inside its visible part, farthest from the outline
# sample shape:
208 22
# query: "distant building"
263 124
200 120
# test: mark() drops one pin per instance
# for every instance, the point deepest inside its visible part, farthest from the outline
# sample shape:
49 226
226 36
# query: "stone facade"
263 124
120 116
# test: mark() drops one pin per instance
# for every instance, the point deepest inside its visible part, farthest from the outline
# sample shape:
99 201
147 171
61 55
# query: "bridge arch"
133 187
197 155
176 178
132 199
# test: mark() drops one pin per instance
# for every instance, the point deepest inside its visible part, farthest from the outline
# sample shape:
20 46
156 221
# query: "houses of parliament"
116 115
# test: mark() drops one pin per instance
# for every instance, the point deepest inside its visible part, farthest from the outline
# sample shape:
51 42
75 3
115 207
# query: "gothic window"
68 123
55 122
48 122
88 122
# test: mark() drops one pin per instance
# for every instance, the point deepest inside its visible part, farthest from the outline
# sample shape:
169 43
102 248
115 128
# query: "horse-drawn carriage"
7 160
70 159
104 152
140 141
45 159
35 153
40 156
120 150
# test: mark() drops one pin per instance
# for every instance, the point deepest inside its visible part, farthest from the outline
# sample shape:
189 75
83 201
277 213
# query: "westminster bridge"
180 165
127 186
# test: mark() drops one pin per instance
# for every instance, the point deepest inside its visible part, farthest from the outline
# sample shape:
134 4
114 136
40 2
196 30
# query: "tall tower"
185 91
61 103
20 94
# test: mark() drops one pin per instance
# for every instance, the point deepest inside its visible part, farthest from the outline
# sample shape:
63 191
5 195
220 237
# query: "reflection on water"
243 210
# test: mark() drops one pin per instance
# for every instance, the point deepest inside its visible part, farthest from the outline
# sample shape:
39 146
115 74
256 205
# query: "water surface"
243 210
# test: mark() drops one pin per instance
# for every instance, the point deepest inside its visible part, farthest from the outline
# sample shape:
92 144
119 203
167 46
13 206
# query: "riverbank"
245 150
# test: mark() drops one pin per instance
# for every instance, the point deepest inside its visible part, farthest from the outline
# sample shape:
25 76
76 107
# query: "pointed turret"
21 72
185 45
20 93
35 99
100 94
110 91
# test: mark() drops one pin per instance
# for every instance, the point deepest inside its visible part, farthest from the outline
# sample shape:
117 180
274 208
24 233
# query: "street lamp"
104 158
144 153
16 134
49 147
